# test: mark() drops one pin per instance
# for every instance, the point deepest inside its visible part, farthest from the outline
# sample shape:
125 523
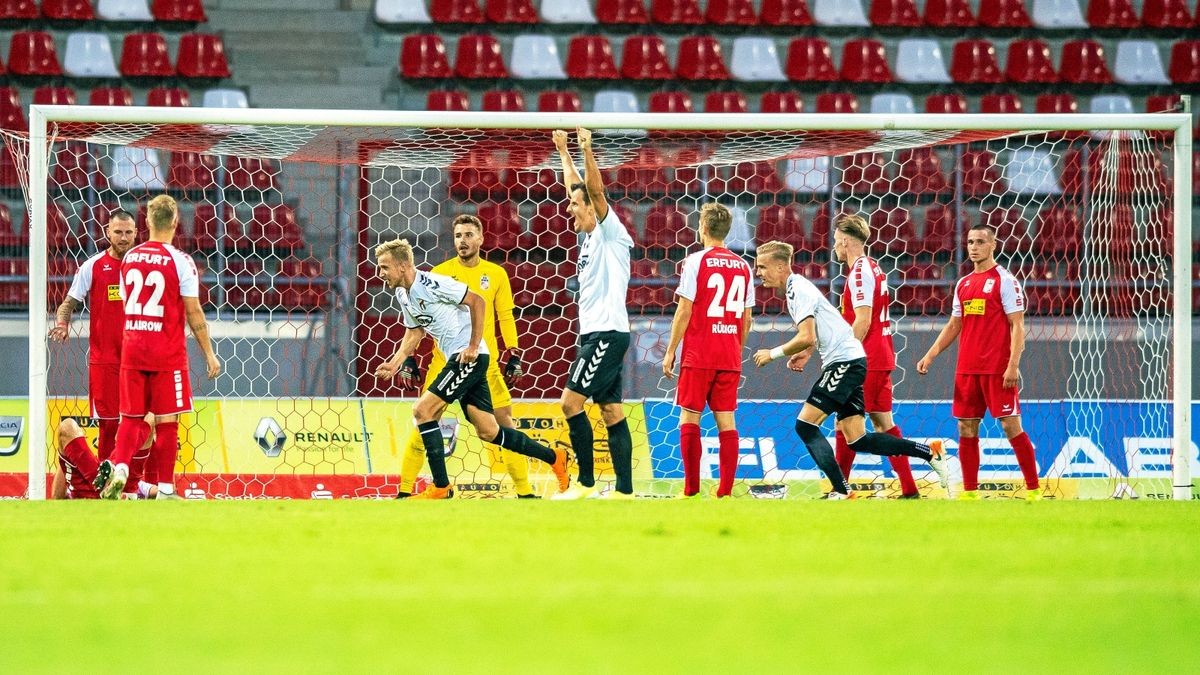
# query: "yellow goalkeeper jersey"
491 282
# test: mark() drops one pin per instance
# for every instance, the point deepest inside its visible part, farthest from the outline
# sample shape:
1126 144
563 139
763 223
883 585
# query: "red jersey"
97 284
718 283
155 278
866 286
983 300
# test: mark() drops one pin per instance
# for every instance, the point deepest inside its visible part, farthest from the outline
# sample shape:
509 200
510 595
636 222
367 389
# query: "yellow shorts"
501 397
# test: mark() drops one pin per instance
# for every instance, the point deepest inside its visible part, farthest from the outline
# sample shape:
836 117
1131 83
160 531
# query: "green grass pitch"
620 587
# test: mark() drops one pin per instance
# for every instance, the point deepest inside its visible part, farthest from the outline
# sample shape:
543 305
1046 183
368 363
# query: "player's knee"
68 430
422 413
807 431
611 413
1011 426
968 428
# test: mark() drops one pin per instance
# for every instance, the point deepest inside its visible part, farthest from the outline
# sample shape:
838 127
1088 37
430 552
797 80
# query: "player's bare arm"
58 489
862 321
805 338
593 182
199 326
1016 336
408 346
683 315
62 319
478 307
570 175
944 339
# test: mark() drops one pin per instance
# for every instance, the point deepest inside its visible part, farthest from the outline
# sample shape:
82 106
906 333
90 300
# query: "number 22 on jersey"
154 284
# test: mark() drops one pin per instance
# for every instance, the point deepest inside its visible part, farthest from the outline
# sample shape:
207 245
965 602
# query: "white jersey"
835 339
604 277
435 303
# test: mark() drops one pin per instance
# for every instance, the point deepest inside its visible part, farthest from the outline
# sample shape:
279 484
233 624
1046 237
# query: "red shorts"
717 388
975 394
162 392
877 391
104 391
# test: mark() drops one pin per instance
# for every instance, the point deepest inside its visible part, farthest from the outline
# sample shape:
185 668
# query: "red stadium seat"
623 12
191 171
676 12
110 96
551 226
894 13
206 229
864 172
1003 14
74 166
1011 227
501 224
777 222
247 173
168 97
1058 232
923 289
510 11
478 57
810 60
503 100
999 104
275 228
1029 61
818 238
1111 14
940 226
145 55
974 61
1083 63
590 57
32 53
8 169
895 229
54 95
864 60
670 102
19 10
1163 103
949 14
946 104
1056 103
781 102
920 172
756 178
12 113
68 10
730 13
450 100
837 102
559 101
202 56
725 102
666 227
980 175
1166 14
455 11
700 59
178 11
785 13
422 57
1185 62
644 57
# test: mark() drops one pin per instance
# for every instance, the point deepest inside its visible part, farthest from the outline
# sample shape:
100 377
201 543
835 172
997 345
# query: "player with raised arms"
989 313
453 315
603 324
839 389
160 288
490 282
720 283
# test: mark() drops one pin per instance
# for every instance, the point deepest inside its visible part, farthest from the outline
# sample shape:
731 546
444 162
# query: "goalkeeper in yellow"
491 282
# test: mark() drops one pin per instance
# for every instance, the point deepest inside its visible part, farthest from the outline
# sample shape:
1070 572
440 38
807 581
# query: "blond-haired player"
490 282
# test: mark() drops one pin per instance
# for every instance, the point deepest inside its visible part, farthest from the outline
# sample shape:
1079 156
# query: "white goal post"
43 120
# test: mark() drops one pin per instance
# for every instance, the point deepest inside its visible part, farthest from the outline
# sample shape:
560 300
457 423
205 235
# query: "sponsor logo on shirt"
484 282
975 307
114 292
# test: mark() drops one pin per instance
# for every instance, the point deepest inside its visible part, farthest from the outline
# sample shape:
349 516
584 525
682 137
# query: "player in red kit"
719 282
77 466
989 313
160 289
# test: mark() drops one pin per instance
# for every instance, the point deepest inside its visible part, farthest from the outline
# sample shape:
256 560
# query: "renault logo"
270 436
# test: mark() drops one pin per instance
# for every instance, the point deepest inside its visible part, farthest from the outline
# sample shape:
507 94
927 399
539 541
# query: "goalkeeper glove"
513 371
410 373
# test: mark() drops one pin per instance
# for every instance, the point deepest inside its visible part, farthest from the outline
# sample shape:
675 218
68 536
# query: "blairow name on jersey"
148 258
144 325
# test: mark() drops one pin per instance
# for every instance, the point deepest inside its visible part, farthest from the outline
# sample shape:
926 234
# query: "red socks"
108 438
690 448
843 454
728 461
1026 458
79 455
131 436
900 465
968 459
164 452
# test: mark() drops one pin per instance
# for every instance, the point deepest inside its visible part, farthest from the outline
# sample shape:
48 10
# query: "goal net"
281 210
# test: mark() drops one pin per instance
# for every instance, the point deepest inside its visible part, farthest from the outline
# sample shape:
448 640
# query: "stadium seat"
1083 63
567 12
535 57
839 13
1138 62
1056 103
68 10
666 227
1003 14
1010 225
837 102
940 226
478 57
145 55
207 226
621 12
893 227
1058 14
676 12
669 102
423 57
892 104
781 102
778 222
559 101
19 10
946 104
755 59
1058 232
901 13
51 95
590 57
246 173
12 113
864 60
32 53
980 176
863 172
1164 103
136 170
810 60
190 171
178 11
974 61
1111 104
784 13
949 14
807 174
202 56
449 100
225 98
920 61
725 102
730 13
644 57
749 178
1030 171
615 100
641 174
920 172
110 96
1111 14
455 11
401 12
700 58
124 11
1185 61
168 97
1029 61
1166 14
501 224
509 11
923 289
1000 104
503 100
274 227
